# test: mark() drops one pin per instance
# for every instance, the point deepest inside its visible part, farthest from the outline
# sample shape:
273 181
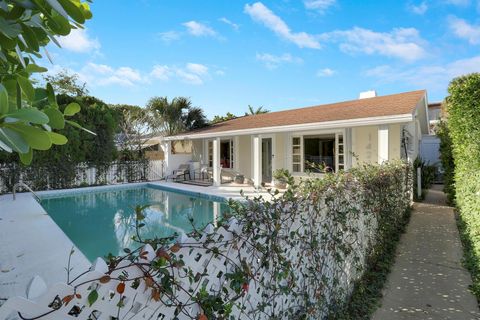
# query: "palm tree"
175 116
259 110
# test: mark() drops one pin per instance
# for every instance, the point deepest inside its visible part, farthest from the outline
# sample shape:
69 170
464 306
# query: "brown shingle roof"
395 104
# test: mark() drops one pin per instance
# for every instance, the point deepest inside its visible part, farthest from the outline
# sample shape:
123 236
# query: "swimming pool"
102 222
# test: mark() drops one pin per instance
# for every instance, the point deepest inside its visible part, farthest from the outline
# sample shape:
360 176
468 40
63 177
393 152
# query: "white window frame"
310 133
233 152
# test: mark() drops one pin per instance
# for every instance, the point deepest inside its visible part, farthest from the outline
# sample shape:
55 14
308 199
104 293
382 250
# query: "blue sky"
226 55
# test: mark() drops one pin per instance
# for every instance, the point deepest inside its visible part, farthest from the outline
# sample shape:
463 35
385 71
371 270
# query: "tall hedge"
446 157
463 110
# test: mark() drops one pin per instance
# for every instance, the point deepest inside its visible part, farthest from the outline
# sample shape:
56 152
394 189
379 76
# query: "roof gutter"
401 118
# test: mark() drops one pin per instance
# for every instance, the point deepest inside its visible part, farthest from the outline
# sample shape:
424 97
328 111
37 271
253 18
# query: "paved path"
428 280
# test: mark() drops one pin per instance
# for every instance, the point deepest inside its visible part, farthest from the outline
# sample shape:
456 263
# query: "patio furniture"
203 173
233 175
182 171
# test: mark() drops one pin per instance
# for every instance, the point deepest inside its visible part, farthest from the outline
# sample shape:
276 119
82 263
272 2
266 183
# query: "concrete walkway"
428 280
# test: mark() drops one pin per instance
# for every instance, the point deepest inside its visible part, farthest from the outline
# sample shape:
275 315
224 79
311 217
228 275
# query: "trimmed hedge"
463 109
446 157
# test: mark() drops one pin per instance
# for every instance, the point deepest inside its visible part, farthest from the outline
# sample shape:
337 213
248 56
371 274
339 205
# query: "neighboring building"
430 144
338 136
434 115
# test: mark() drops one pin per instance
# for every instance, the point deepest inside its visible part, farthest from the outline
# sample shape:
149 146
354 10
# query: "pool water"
103 222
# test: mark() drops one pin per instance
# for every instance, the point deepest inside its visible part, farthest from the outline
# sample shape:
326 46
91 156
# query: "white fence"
306 269
82 175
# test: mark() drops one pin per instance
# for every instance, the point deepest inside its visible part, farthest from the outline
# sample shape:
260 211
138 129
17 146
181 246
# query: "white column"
383 143
236 152
216 213
257 160
167 158
216 162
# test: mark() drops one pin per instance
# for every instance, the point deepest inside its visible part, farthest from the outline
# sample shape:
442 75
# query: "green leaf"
3 99
40 96
36 138
9 29
32 115
13 140
71 109
86 10
51 95
92 297
56 138
5 147
56 118
73 10
32 67
76 125
59 24
57 7
30 37
26 158
26 86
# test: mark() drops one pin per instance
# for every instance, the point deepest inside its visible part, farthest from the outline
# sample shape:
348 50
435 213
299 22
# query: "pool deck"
32 244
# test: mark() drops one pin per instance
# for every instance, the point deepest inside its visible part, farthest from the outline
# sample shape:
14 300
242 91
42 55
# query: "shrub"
298 255
446 157
463 110
427 175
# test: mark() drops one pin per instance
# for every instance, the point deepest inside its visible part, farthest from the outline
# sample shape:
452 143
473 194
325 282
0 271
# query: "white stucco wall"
245 156
394 141
365 144
281 153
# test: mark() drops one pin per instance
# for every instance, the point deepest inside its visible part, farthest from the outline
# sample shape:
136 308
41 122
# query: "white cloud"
197 68
198 29
402 43
260 13
98 68
419 9
79 41
272 61
326 72
169 36
319 5
230 23
103 75
161 72
432 77
464 30
191 73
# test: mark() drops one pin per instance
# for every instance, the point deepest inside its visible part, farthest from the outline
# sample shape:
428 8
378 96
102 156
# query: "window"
341 152
296 154
319 153
210 154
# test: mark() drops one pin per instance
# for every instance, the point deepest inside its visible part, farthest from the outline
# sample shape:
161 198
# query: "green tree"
228 116
29 116
67 83
259 110
175 116
134 125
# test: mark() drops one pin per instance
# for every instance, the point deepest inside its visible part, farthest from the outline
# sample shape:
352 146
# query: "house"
371 129
430 144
